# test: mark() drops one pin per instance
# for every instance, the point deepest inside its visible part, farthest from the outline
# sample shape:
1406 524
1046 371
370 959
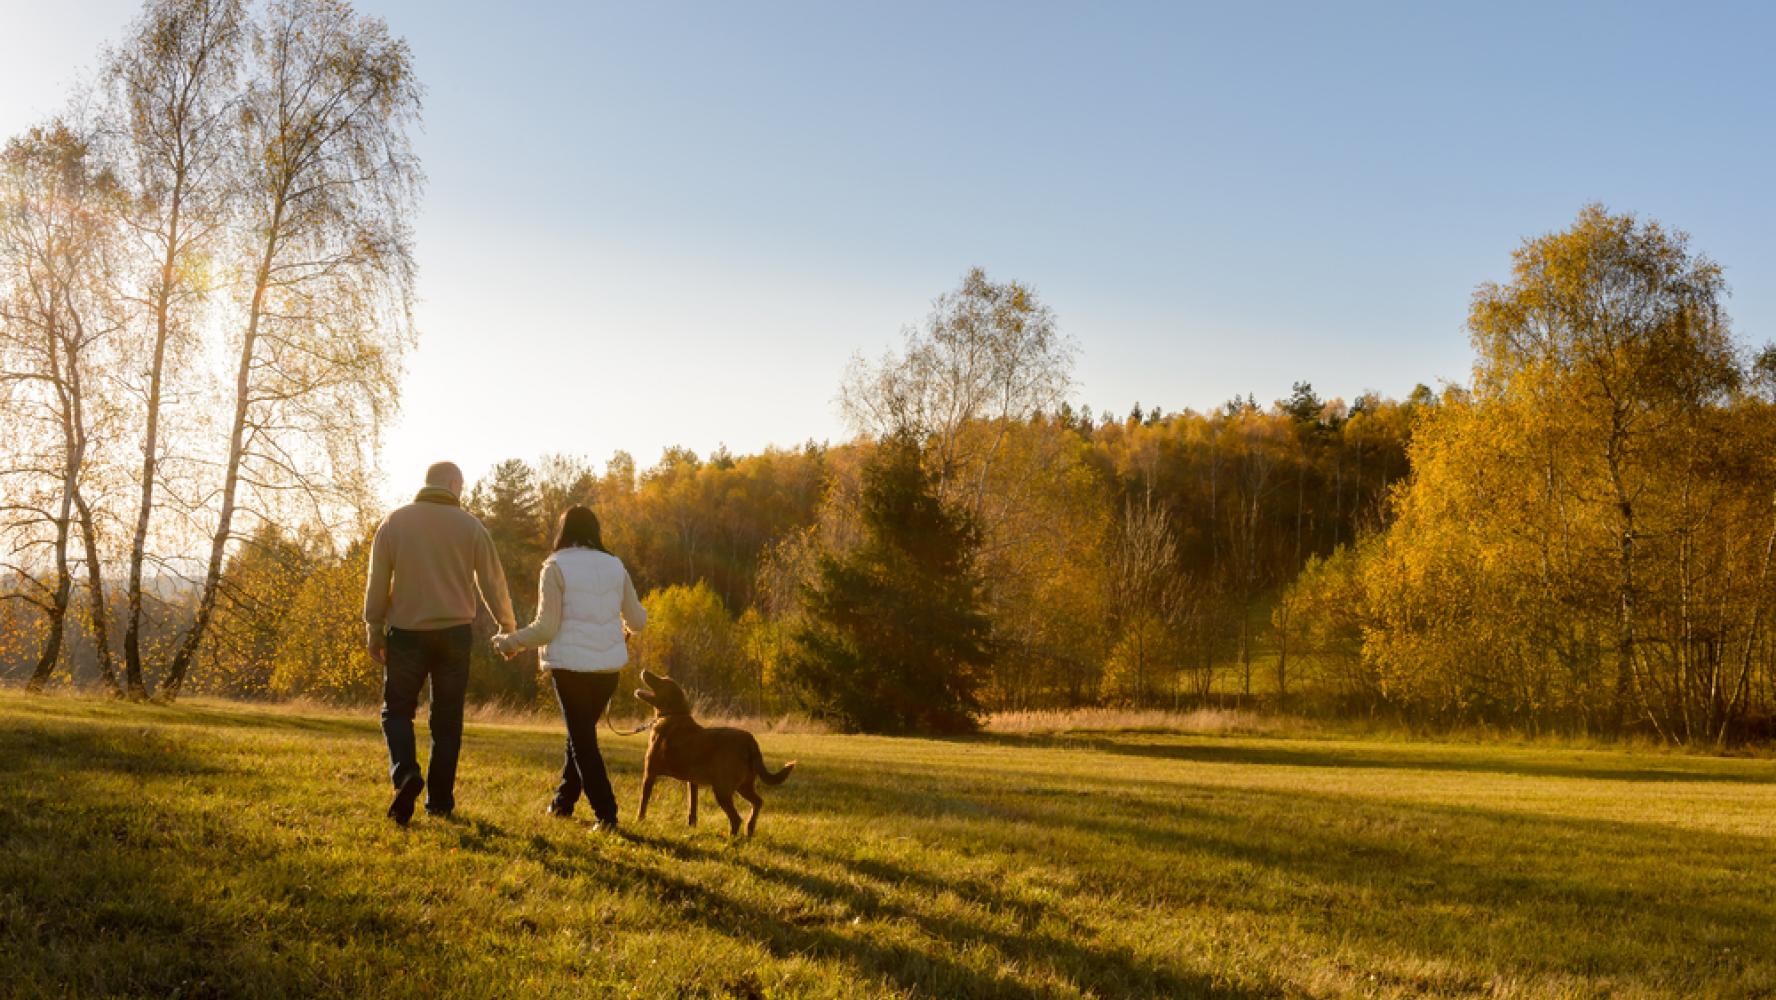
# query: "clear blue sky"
651 224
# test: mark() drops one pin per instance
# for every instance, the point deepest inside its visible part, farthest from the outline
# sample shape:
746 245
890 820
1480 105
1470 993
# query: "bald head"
445 475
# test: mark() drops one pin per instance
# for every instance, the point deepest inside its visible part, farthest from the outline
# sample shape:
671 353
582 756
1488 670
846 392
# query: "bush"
322 653
691 637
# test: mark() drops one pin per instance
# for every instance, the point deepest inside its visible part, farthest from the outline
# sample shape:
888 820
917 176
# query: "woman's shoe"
556 811
605 826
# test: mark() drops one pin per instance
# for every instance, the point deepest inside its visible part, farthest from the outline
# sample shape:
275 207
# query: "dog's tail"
758 768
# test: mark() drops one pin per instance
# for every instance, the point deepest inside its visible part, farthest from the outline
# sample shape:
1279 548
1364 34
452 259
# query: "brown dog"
725 759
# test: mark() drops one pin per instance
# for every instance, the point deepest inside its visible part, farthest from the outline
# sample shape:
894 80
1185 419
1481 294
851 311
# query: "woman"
586 603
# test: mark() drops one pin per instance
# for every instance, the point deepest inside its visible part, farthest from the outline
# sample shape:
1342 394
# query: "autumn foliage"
205 287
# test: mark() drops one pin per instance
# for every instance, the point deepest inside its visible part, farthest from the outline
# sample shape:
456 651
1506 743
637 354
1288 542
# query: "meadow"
221 849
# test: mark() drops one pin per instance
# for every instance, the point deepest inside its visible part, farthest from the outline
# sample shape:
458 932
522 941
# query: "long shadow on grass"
1382 875
1408 758
787 931
71 751
140 887
362 721
1579 882
915 970
96 711
918 970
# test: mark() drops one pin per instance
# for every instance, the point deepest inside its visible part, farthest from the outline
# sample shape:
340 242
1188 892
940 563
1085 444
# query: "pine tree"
510 505
895 639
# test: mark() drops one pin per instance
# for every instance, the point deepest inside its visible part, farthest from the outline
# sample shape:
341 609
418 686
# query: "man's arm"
376 594
491 580
548 617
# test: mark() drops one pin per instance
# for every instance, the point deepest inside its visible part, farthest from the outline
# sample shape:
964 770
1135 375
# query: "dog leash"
644 727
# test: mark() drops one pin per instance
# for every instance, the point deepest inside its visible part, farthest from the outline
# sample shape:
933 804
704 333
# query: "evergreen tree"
509 503
894 639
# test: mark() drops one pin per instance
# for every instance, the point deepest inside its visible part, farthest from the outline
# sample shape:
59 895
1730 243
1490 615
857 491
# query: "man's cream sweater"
425 565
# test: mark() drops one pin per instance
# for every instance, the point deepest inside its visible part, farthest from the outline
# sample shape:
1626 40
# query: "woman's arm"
548 616
635 617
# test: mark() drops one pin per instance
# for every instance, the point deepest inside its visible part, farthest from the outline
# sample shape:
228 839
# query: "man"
428 562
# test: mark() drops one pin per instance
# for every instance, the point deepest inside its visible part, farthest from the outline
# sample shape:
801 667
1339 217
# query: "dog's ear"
645 695
672 696
652 679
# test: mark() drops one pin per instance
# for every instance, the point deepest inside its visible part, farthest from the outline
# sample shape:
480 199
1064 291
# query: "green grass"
213 849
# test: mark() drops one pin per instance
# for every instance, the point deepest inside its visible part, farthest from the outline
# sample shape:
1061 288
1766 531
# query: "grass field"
213 849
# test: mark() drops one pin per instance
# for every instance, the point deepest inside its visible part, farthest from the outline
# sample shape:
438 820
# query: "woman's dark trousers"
583 695
413 656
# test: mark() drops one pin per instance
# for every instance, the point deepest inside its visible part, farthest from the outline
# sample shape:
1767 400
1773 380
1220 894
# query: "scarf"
436 494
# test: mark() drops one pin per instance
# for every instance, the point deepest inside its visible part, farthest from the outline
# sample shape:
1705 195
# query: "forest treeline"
205 280
1133 559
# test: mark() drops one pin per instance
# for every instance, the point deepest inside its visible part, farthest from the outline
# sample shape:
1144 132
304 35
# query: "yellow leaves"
1599 412
765 643
322 652
691 637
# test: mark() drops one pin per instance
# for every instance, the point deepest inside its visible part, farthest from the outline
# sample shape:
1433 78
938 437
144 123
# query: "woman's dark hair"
579 529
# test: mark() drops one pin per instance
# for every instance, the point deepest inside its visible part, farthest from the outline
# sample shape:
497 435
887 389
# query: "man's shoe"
556 811
401 809
605 826
440 813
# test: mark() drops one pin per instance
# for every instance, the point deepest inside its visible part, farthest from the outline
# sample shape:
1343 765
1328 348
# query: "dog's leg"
691 820
750 794
647 791
724 797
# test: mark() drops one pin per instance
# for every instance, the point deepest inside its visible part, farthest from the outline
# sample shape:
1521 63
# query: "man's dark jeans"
442 655
583 696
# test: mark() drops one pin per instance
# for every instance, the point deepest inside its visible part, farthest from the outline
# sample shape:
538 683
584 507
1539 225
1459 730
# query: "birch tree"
1146 589
173 94
328 180
1623 326
58 218
989 355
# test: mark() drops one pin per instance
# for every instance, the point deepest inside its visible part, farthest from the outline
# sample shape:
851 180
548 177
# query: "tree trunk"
64 588
132 635
1742 685
74 418
1282 671
99 612
1624 616
206 604
58 605
1246 643
1300 504
1687 668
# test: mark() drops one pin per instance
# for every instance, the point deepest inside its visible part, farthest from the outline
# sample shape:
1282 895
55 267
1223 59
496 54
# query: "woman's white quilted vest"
591 633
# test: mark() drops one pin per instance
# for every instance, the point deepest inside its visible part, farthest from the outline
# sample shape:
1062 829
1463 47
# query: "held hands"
506 645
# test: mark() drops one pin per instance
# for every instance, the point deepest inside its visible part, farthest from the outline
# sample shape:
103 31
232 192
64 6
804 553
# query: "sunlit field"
215 849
